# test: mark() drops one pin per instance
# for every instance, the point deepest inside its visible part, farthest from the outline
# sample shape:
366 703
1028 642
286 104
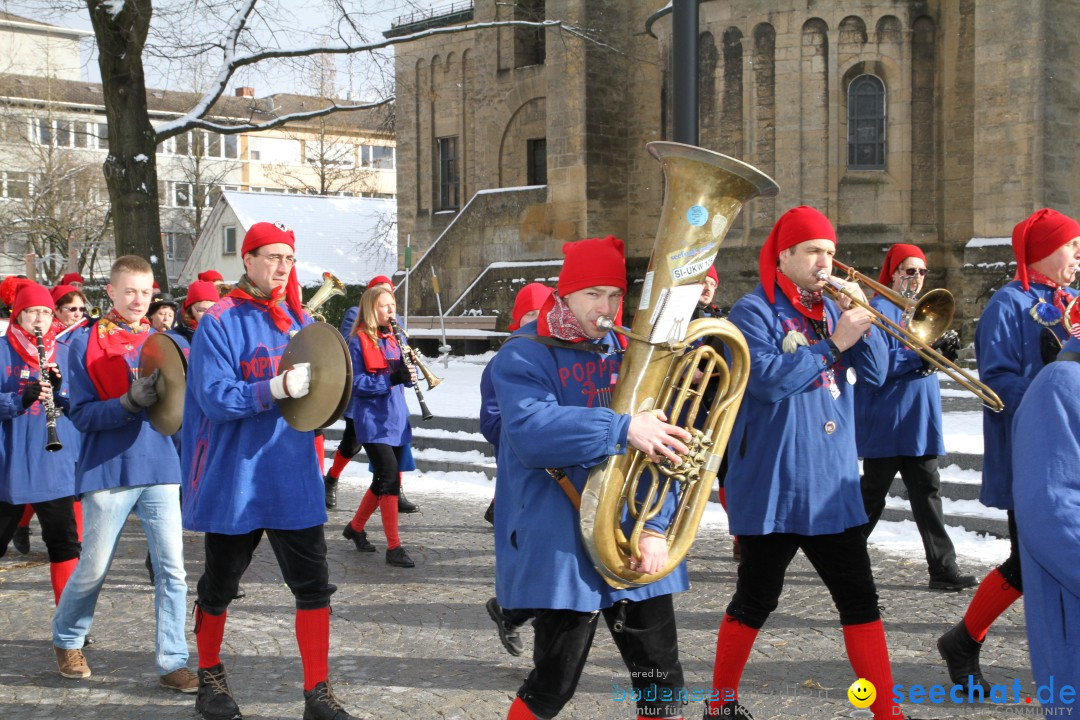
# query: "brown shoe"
72 663
181 680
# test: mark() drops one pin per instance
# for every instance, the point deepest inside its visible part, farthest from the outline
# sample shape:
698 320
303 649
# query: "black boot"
214 700
399 558
961 654
404 506
330 488
489 515
21 541
320 703
359 538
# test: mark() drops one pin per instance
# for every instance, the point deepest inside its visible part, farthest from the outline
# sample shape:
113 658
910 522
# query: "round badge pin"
697 215
852 376
830 427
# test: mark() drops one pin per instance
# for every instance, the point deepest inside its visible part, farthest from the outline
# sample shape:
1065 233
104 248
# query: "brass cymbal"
160 352
331 377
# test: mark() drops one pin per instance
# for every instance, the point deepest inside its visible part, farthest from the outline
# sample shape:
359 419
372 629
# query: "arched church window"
866 123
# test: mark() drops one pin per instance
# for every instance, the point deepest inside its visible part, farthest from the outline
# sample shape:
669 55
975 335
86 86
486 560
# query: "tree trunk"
131 166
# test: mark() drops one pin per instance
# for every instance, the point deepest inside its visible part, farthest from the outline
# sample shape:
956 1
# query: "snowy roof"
353 238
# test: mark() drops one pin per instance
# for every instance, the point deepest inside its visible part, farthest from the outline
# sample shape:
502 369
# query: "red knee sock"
340 461
320 450
209 630
869 658
388 508
993 597
368 503
77 507
723 498
59 572
733 646
520 711
313 637
27 513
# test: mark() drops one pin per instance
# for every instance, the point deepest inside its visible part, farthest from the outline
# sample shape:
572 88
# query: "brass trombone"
930 319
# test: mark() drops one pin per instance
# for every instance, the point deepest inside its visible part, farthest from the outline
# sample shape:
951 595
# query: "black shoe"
953 581
320 703
399 558
961 654
21 541
489 514
214 700
88 640
149 563
727 710
359 538
240 593
404 506
330 488
509 633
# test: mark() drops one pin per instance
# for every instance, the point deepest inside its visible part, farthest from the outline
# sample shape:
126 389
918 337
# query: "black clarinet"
407 358
52 444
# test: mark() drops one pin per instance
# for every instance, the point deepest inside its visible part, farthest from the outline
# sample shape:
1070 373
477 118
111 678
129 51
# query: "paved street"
418 643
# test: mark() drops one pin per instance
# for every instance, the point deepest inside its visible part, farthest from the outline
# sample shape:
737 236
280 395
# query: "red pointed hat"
797 225
897 254
268 233
31 295
1038 235
70 278
211 276
713 275
200 290
591 263
380 280
61 290
529 298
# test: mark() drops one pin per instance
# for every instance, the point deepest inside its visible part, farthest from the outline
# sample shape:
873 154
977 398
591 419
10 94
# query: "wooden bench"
468 334
453 323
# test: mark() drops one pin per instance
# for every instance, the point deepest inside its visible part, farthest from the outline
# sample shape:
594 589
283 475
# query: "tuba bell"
703 192
331 286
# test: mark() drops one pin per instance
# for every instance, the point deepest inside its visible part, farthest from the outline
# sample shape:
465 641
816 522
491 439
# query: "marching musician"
553 383
1019 332
793 471
898 425
201 296
30 475
248 473
380 418
124 466
73 279
162 312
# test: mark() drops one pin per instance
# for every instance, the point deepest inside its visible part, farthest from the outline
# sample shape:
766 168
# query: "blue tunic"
792 463
377 408
245 468
490 421
29 474
552 405
1008 356
902 418
1046 491
119 449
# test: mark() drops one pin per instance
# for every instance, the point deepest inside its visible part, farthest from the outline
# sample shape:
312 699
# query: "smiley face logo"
862 693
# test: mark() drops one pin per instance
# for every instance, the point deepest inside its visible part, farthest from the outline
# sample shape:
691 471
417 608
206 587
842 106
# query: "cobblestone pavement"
418 643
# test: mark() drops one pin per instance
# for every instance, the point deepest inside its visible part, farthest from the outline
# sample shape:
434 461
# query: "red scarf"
374 360
1061 298
111 340
275 304
26 345
557 320
810 304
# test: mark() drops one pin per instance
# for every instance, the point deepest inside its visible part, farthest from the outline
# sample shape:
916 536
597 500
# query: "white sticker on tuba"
646 291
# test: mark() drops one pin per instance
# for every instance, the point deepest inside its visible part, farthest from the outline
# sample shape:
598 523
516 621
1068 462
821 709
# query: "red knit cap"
381 280
592 263
529 298
267 233
31 295
70 278
712 274
200 290
61 290
1036 237
9 288
797 225
211 276
897 254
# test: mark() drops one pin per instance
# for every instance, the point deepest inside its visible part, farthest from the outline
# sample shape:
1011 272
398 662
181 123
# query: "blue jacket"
348 320
29 474
552 402
490 420
792 462
903 416
244 467
1046 492
1008 356
377 408
119 449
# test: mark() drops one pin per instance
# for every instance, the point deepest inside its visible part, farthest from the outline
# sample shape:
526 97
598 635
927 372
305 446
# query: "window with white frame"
228 240
182 195
278 151
14 185
377 157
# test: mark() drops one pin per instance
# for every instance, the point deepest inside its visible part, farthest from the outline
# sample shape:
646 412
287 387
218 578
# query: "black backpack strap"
1069 355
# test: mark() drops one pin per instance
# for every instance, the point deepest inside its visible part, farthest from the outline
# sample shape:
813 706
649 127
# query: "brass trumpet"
331 286
930 319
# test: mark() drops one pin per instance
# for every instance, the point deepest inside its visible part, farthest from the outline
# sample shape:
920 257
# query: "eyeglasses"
73 308
277 259
911 272
40 312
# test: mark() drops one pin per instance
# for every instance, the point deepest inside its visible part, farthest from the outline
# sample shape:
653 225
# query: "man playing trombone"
898 425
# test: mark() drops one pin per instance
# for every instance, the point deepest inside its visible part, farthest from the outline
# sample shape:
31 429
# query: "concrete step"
987 526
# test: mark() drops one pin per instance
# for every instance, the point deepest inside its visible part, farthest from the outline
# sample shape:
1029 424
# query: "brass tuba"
703 192
331 286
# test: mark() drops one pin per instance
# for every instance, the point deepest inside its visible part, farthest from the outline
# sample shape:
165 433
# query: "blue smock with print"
792 464
377 408
1008 356
552 401
244 467
29 474
902 417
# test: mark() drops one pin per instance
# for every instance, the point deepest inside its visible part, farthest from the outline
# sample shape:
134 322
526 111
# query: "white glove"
293 383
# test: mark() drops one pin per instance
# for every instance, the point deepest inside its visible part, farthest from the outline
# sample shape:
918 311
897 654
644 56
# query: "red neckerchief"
374 360
557 320
810 304
72 328
1061 298
26 345
105 364
275 303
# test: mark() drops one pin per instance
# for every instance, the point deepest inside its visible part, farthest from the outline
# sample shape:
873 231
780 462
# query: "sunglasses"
912 272
74 308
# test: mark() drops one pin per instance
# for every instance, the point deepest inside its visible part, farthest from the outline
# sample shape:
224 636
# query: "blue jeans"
104 514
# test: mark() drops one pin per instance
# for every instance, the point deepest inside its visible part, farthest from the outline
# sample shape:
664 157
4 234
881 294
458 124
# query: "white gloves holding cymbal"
293 383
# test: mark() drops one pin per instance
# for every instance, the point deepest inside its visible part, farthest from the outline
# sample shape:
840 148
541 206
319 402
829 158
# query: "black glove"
1049 346
30 394
55 379
141 394
400 376
948 345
